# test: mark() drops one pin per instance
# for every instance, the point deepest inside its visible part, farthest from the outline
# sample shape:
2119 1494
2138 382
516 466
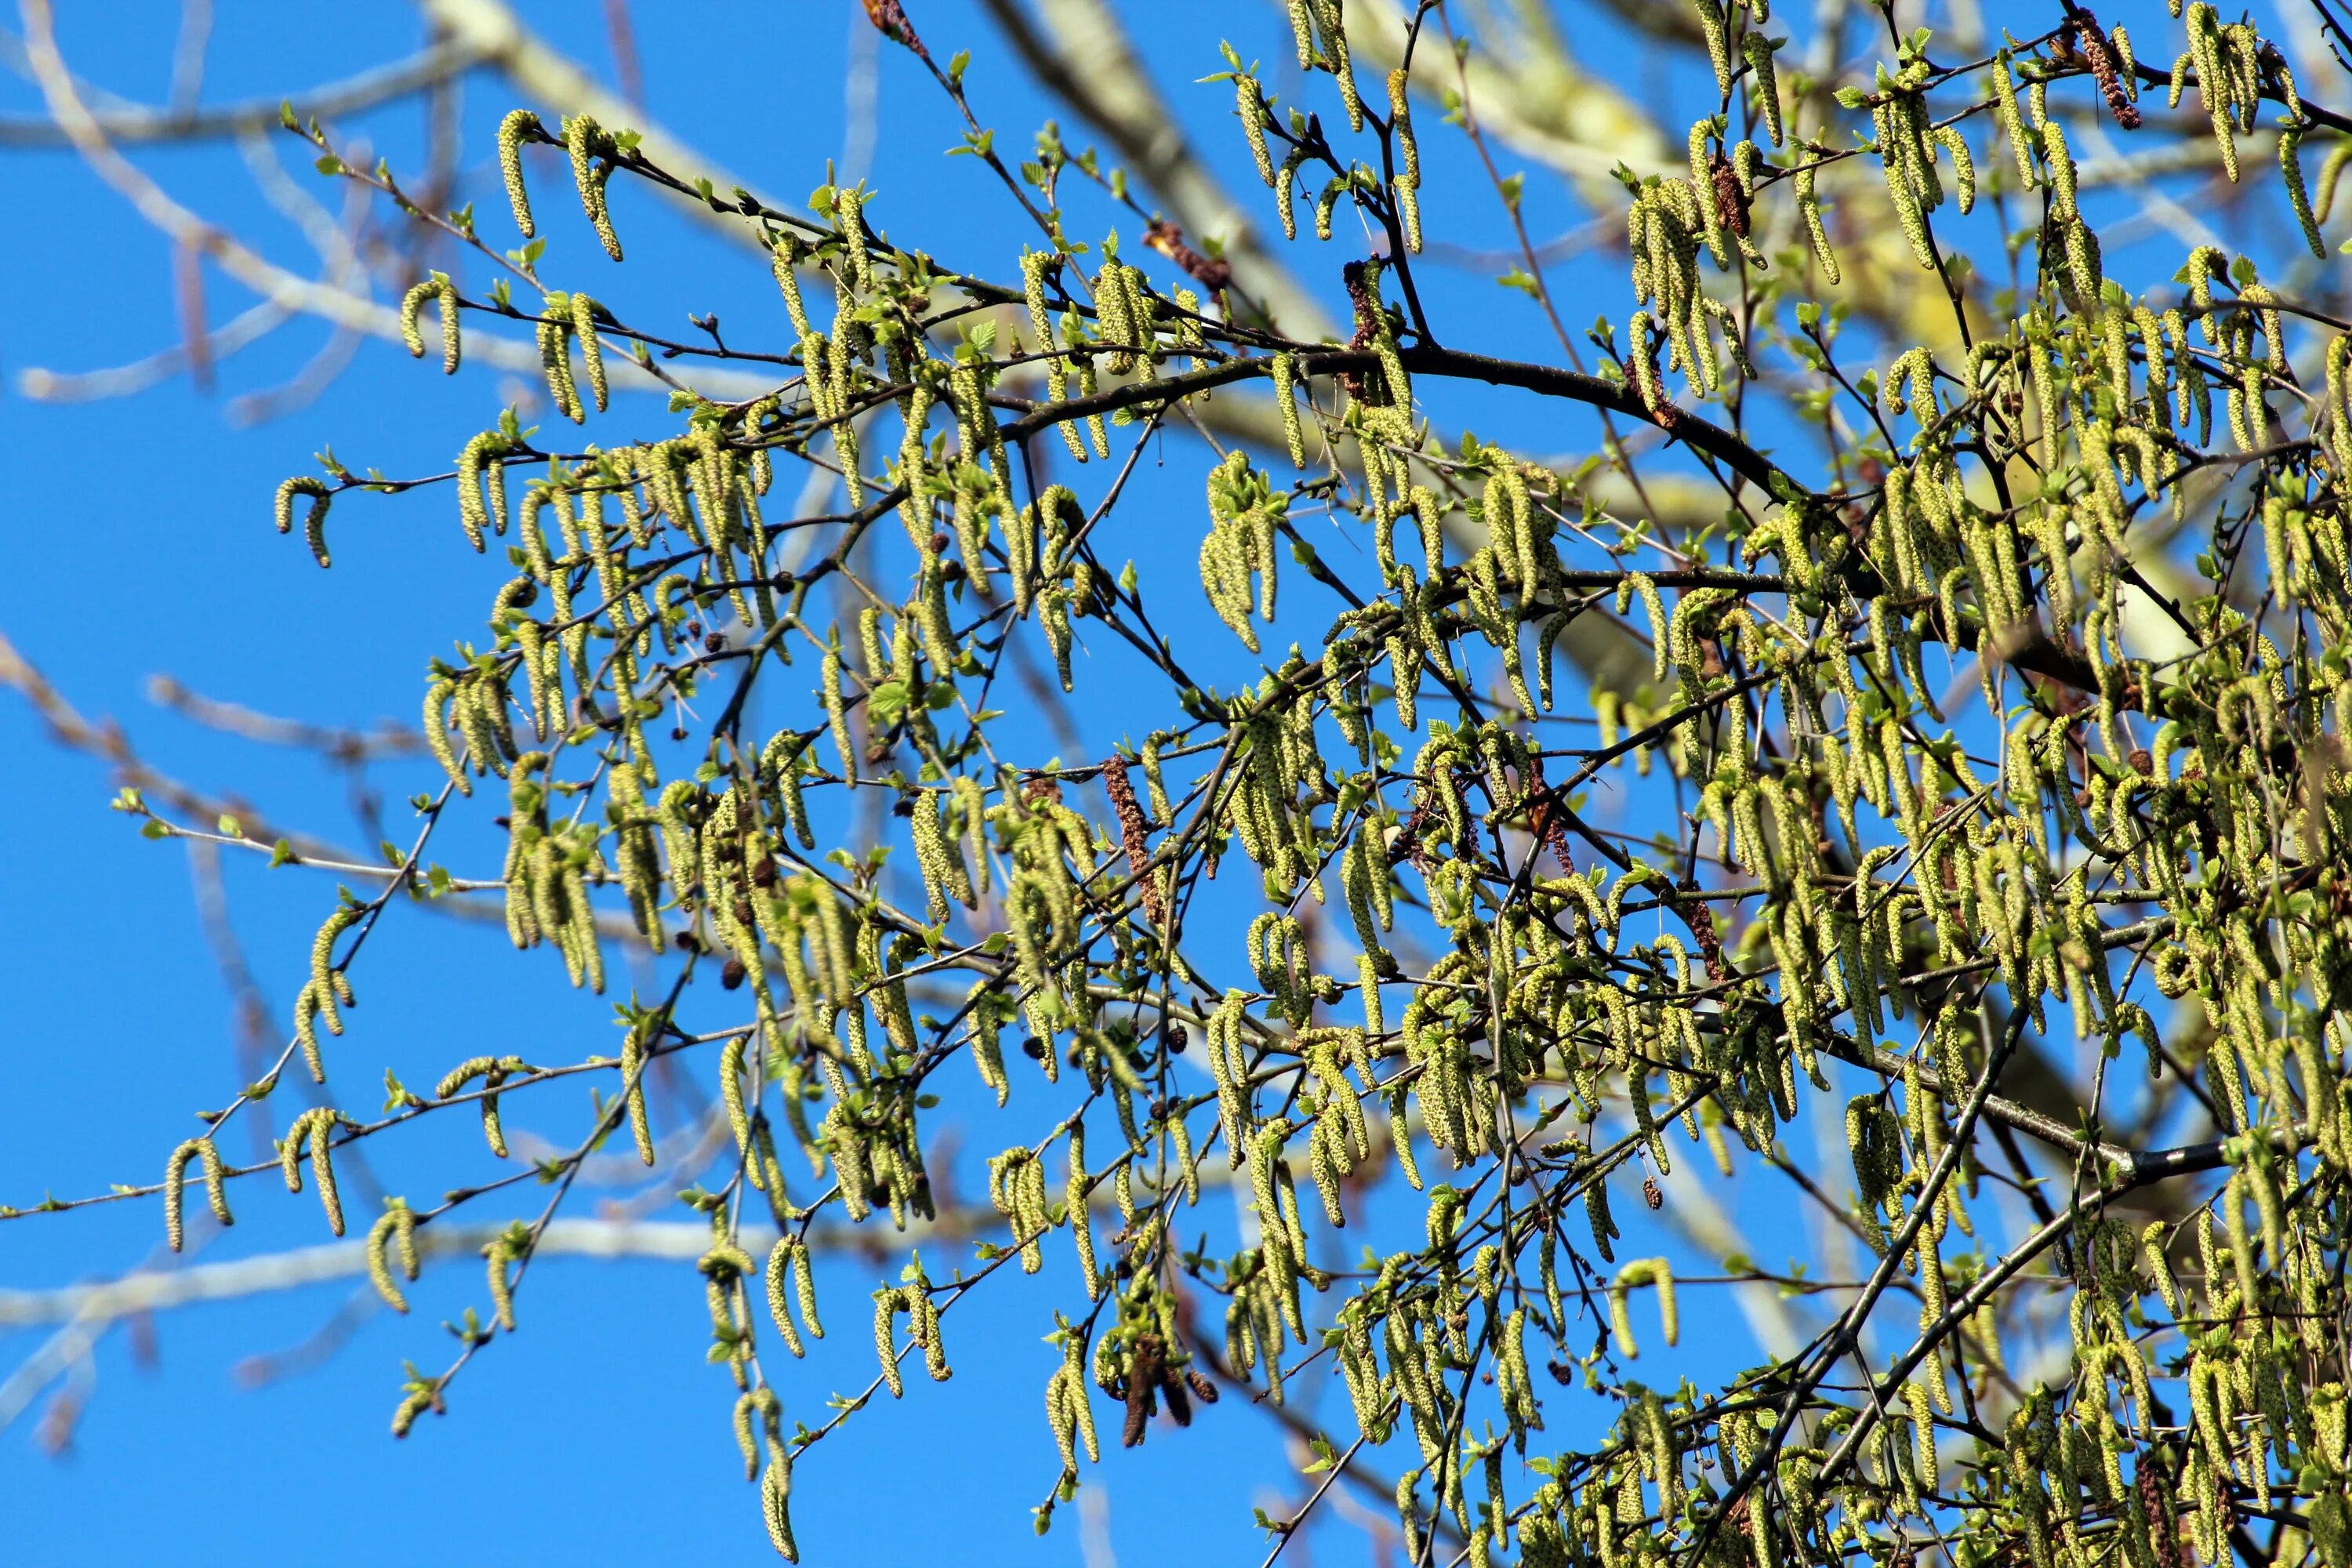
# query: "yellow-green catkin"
836 714
776 1499
555 363
327 984
1249 102
1808 208
509 1247
437 700
1764 86
633 1093
887 1304
1286 380
2290 141
1408 177
1036 266
592 349
780 1262
1333 22
393 1232
492 1071
783 258
2013 120
412 306
436 287
519 123
1286 191
849 213
315 1130
415 1402
739 1113
1327 206
586 142
314 524
2330 172
1719 43
473 465
174 1182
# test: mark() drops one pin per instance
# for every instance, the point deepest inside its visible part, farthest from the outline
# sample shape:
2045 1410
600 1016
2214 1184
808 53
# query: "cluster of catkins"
1543 1031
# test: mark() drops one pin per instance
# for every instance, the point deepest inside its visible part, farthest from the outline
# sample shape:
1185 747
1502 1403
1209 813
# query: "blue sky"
142 547
597 1434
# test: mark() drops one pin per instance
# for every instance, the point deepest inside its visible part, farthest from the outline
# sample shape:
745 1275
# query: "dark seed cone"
1144 1372
2105 69
1135 836
889 19
1730 201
